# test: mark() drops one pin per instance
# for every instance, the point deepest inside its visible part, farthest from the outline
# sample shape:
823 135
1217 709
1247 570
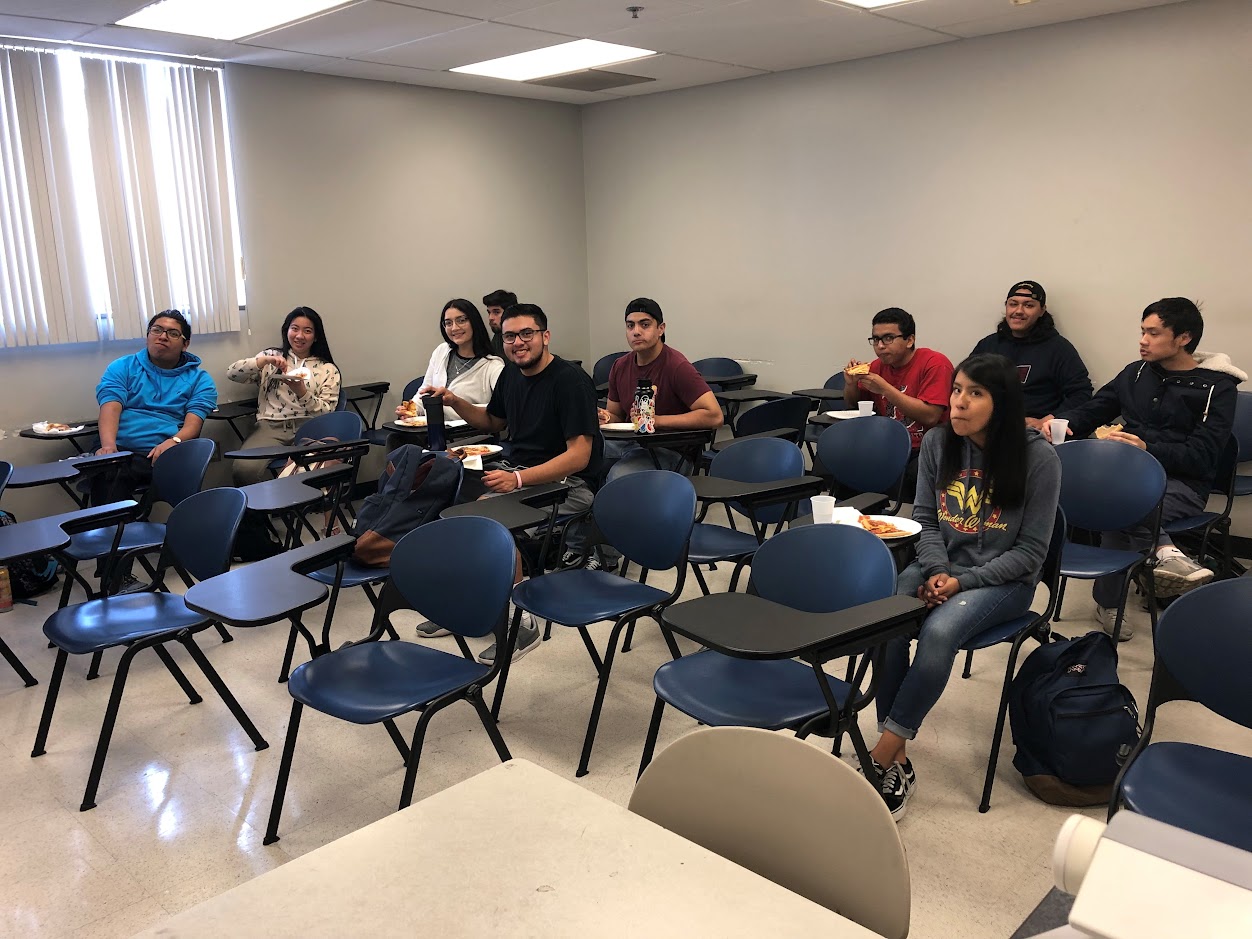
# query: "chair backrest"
342 403
718 366
1050 576
604 365
1242 429
180 470
1227 467
457 572
835 382
788 811
790 413
823 568
1107 485
1204 644
342 425
6 470
647 517
867 454
759 461
413 387
200 532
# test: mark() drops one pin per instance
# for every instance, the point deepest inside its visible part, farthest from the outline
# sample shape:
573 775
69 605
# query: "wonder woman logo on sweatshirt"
961 505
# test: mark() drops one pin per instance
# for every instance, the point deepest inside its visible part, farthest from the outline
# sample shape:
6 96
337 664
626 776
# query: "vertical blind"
115 198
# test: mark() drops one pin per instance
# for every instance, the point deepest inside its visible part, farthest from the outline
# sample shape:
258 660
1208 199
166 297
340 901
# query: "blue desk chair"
1108 486
457 572
835 402
1206 523
1203 647
377 436
604 365
761 460
648 518
198 541
6 470
1017 631
867 454
816 568
790 413
717 365
342 425
1242 432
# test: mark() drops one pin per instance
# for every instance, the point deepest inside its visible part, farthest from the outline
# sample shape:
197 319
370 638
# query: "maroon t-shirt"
678 385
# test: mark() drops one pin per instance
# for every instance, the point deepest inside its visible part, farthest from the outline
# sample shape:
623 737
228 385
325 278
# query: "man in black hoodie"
1179 405
1054 378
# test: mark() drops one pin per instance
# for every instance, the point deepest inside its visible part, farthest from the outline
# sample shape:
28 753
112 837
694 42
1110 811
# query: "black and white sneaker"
429 630
898 783
570 558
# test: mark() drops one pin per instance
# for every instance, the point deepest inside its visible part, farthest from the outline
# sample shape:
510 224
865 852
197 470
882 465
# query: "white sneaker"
527 640
1107 618
1177 574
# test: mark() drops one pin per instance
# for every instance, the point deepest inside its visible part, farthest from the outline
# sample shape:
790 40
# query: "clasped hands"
937 589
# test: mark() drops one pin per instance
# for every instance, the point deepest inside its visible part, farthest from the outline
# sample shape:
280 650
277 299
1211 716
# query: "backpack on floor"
30 576
1073 722
413 490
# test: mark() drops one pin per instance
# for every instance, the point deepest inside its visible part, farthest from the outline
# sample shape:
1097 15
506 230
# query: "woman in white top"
300 383
463 361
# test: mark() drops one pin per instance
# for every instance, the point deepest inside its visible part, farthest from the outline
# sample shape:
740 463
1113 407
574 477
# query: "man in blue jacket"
1179 405
151 401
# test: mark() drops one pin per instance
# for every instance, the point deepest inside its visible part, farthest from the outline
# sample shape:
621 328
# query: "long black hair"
1004 466
320 347
481 338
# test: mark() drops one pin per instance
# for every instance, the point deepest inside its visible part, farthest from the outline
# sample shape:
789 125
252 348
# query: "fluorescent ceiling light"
223 19
555 60
873 4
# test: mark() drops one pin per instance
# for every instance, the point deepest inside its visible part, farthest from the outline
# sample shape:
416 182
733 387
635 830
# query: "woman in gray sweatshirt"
987 489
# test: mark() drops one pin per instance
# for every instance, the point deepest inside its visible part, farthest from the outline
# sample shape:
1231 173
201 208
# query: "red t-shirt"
927 377
678 385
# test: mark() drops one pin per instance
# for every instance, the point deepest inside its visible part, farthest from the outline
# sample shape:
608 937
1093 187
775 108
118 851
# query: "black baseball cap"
1028 288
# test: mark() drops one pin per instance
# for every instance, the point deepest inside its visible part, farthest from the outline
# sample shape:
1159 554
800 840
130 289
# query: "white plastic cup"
823 506
846 515
865 407
1059 427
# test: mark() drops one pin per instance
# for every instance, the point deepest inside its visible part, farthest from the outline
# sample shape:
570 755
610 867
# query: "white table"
514 851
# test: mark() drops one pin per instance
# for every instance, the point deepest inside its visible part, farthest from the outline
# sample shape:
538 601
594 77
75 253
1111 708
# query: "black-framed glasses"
883 340
162 331
459 321
526 335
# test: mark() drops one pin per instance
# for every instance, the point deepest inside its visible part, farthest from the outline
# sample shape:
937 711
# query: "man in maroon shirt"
907 384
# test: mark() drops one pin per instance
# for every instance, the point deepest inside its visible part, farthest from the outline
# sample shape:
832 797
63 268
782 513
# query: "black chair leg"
489 725
50 703
193 697
226 636
288 653
16 664
415 754
397 738
591 650
106 729
654 730
994 758
601 687
667 635
93 672
704 588
547 630
630 635
284 772
510 643
969 661
734 577
224 693
1060 599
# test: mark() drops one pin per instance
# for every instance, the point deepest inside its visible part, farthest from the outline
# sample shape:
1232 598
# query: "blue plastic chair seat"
354 575
723 691
1243 486
94 544
1087 562
718 543
102 624
1196 788
579 597
999 633
375 681
1179 525
377 435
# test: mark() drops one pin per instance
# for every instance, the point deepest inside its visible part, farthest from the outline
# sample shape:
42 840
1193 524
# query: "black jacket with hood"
1055 378
1184 417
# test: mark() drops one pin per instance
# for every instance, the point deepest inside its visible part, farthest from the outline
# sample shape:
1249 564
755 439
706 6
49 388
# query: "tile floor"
184 797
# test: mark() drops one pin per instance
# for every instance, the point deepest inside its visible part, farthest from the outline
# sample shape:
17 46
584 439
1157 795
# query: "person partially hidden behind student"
549 409
1053 375
907 384
987 489
299 383
1179 405
495 303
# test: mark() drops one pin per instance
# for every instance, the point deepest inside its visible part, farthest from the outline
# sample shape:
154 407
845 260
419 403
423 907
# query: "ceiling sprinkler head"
634 12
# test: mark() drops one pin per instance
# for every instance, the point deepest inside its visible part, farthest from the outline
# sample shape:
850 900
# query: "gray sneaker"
1178 574
429 630
1107 618
527 640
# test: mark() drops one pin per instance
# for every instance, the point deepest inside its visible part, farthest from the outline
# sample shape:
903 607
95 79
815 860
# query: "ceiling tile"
151 40
359 28
980 17
97 12
498 86
35 28
464 47
276 58
583 18
480 9
675 71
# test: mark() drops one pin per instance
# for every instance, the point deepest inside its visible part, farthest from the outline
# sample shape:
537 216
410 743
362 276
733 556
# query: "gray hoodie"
979 543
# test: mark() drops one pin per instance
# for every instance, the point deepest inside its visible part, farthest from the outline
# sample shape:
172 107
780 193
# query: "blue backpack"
415 487
1073 722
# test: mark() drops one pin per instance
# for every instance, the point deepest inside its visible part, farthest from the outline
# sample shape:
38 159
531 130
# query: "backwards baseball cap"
1028 288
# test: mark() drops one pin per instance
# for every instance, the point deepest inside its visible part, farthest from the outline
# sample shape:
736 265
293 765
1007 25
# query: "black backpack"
413 490
1072 720
30 576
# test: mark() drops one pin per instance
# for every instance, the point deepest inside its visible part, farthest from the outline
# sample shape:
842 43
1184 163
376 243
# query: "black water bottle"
435 437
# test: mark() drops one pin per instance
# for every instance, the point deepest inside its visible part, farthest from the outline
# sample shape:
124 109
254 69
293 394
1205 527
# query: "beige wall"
772 216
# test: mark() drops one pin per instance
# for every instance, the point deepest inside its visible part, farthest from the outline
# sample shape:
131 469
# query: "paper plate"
42 428
620 427
907 526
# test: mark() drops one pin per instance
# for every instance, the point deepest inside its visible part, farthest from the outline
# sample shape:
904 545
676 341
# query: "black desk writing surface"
270 590
748 626
776 433
730 382
517 510
718 489
279 452
740 395
289 492
54 531
42 474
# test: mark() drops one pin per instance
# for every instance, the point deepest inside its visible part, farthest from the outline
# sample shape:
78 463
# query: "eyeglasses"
459 321
526 335
155 331
884 340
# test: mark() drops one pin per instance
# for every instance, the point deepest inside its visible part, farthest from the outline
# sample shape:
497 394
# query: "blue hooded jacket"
154 400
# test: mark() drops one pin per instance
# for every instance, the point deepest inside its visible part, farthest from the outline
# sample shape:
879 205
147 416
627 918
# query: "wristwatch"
176 439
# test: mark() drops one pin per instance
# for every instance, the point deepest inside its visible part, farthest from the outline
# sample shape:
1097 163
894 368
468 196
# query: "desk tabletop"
290 492
666 439
748 626
41 474
821 394
730 382
749 394
520 851
89 427
269 590
53 532
777 432
278 452
370 389
720 489
516 510
229 410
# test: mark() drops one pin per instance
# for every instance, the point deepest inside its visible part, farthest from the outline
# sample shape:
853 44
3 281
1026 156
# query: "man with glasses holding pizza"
907 384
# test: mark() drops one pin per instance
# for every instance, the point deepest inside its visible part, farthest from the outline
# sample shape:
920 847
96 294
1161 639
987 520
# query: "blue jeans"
906 693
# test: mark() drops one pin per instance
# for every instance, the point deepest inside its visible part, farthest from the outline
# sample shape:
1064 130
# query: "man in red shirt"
907 384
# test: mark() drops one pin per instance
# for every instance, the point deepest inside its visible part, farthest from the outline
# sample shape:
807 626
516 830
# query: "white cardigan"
475 386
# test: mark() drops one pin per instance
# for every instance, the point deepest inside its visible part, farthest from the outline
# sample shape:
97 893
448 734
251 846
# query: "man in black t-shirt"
549 408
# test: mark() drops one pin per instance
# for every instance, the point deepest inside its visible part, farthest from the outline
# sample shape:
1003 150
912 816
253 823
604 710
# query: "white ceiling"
703 41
